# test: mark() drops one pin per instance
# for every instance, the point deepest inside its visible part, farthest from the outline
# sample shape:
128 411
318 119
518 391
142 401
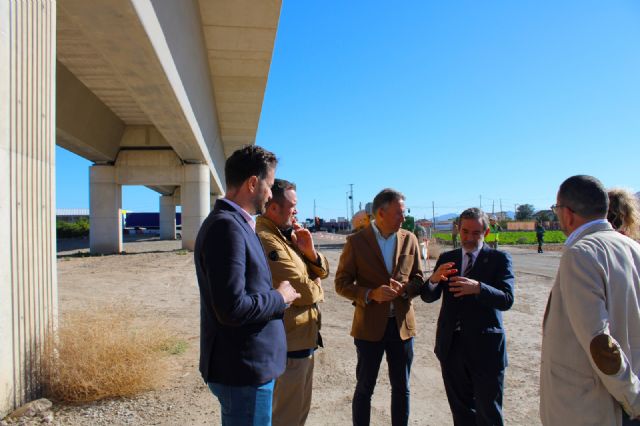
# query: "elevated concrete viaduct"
153 92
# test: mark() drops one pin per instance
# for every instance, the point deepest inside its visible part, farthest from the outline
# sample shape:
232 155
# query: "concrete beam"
149 167
163 189
161 60
84 124
143 137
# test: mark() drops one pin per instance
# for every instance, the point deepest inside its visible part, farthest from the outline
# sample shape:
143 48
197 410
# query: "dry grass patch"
103 353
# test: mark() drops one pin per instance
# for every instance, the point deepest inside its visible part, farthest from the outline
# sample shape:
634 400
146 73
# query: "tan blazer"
596 292
362 268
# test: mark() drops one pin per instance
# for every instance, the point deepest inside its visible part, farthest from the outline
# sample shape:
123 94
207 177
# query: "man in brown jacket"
380 273
292 257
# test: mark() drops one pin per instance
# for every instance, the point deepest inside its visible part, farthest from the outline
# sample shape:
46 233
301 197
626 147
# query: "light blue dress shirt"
387 247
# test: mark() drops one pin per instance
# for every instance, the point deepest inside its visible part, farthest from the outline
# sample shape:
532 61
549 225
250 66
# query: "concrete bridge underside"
153 92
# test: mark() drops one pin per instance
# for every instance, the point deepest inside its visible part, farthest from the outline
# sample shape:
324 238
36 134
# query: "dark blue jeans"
399 357
244 405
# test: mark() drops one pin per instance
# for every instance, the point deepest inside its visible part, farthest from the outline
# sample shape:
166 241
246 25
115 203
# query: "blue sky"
445 101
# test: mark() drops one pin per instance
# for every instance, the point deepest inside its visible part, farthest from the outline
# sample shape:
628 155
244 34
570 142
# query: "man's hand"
384 293
398 287
443 272
288 293
463 286
304 241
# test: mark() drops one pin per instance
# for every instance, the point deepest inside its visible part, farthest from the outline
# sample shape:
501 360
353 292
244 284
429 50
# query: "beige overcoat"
591 332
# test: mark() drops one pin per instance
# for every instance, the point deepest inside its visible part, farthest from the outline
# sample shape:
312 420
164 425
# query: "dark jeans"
399 357
244 405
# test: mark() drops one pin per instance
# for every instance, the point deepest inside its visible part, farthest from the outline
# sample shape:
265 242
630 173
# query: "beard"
471 245
258 204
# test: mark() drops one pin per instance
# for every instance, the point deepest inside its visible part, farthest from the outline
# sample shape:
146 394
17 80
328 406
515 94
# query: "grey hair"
384 197
585 196
476 214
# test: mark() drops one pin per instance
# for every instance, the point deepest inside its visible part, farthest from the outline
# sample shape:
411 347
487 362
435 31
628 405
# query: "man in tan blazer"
591 329
380 272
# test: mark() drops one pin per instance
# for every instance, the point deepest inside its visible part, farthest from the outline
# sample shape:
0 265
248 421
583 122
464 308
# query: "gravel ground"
159 279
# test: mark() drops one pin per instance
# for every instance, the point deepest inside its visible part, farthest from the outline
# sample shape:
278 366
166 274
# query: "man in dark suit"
380 272
242 340
470 339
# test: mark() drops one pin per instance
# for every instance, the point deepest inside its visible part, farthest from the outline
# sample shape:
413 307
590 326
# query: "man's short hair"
384 197
252 160
585 196
278 189
475 214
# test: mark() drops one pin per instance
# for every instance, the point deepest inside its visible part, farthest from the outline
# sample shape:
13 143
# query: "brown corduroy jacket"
362 268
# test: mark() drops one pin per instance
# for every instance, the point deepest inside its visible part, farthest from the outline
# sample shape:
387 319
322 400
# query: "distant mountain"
447 216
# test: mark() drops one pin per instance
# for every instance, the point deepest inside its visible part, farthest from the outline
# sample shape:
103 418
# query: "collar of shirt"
250 220
387 246
574 235
465 258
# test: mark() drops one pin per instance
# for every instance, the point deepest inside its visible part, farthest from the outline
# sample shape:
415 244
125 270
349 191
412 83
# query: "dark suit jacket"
480 316
242 339
362 268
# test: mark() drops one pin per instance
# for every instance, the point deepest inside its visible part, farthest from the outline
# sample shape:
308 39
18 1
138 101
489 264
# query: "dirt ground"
159 279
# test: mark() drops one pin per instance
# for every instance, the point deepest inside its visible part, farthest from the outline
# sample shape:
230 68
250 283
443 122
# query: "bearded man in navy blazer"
476 283
242 340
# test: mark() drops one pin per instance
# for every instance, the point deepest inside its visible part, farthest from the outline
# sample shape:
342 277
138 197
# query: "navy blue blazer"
242 338
479 316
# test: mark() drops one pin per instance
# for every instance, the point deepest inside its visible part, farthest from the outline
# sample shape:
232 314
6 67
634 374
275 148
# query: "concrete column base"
195 201
105 201
167 218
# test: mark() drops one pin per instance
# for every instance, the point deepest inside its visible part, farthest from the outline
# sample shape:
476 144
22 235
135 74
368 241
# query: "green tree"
524 212
544 215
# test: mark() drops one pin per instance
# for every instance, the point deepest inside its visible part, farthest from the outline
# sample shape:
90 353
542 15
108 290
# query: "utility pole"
515 210
480 201
433 212
314 209
501 211
493 207
351 198
348 218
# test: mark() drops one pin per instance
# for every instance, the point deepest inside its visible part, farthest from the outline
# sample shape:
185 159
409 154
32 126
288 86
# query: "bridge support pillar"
105 201
195 201
28 279
167 218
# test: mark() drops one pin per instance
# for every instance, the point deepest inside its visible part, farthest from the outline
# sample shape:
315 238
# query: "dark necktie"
467 270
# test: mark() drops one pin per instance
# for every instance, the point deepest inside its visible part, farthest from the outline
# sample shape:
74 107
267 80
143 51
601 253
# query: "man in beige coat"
292 257
379 271
591 327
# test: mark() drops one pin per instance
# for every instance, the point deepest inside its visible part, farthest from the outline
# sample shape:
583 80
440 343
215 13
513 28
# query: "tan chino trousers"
292 393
